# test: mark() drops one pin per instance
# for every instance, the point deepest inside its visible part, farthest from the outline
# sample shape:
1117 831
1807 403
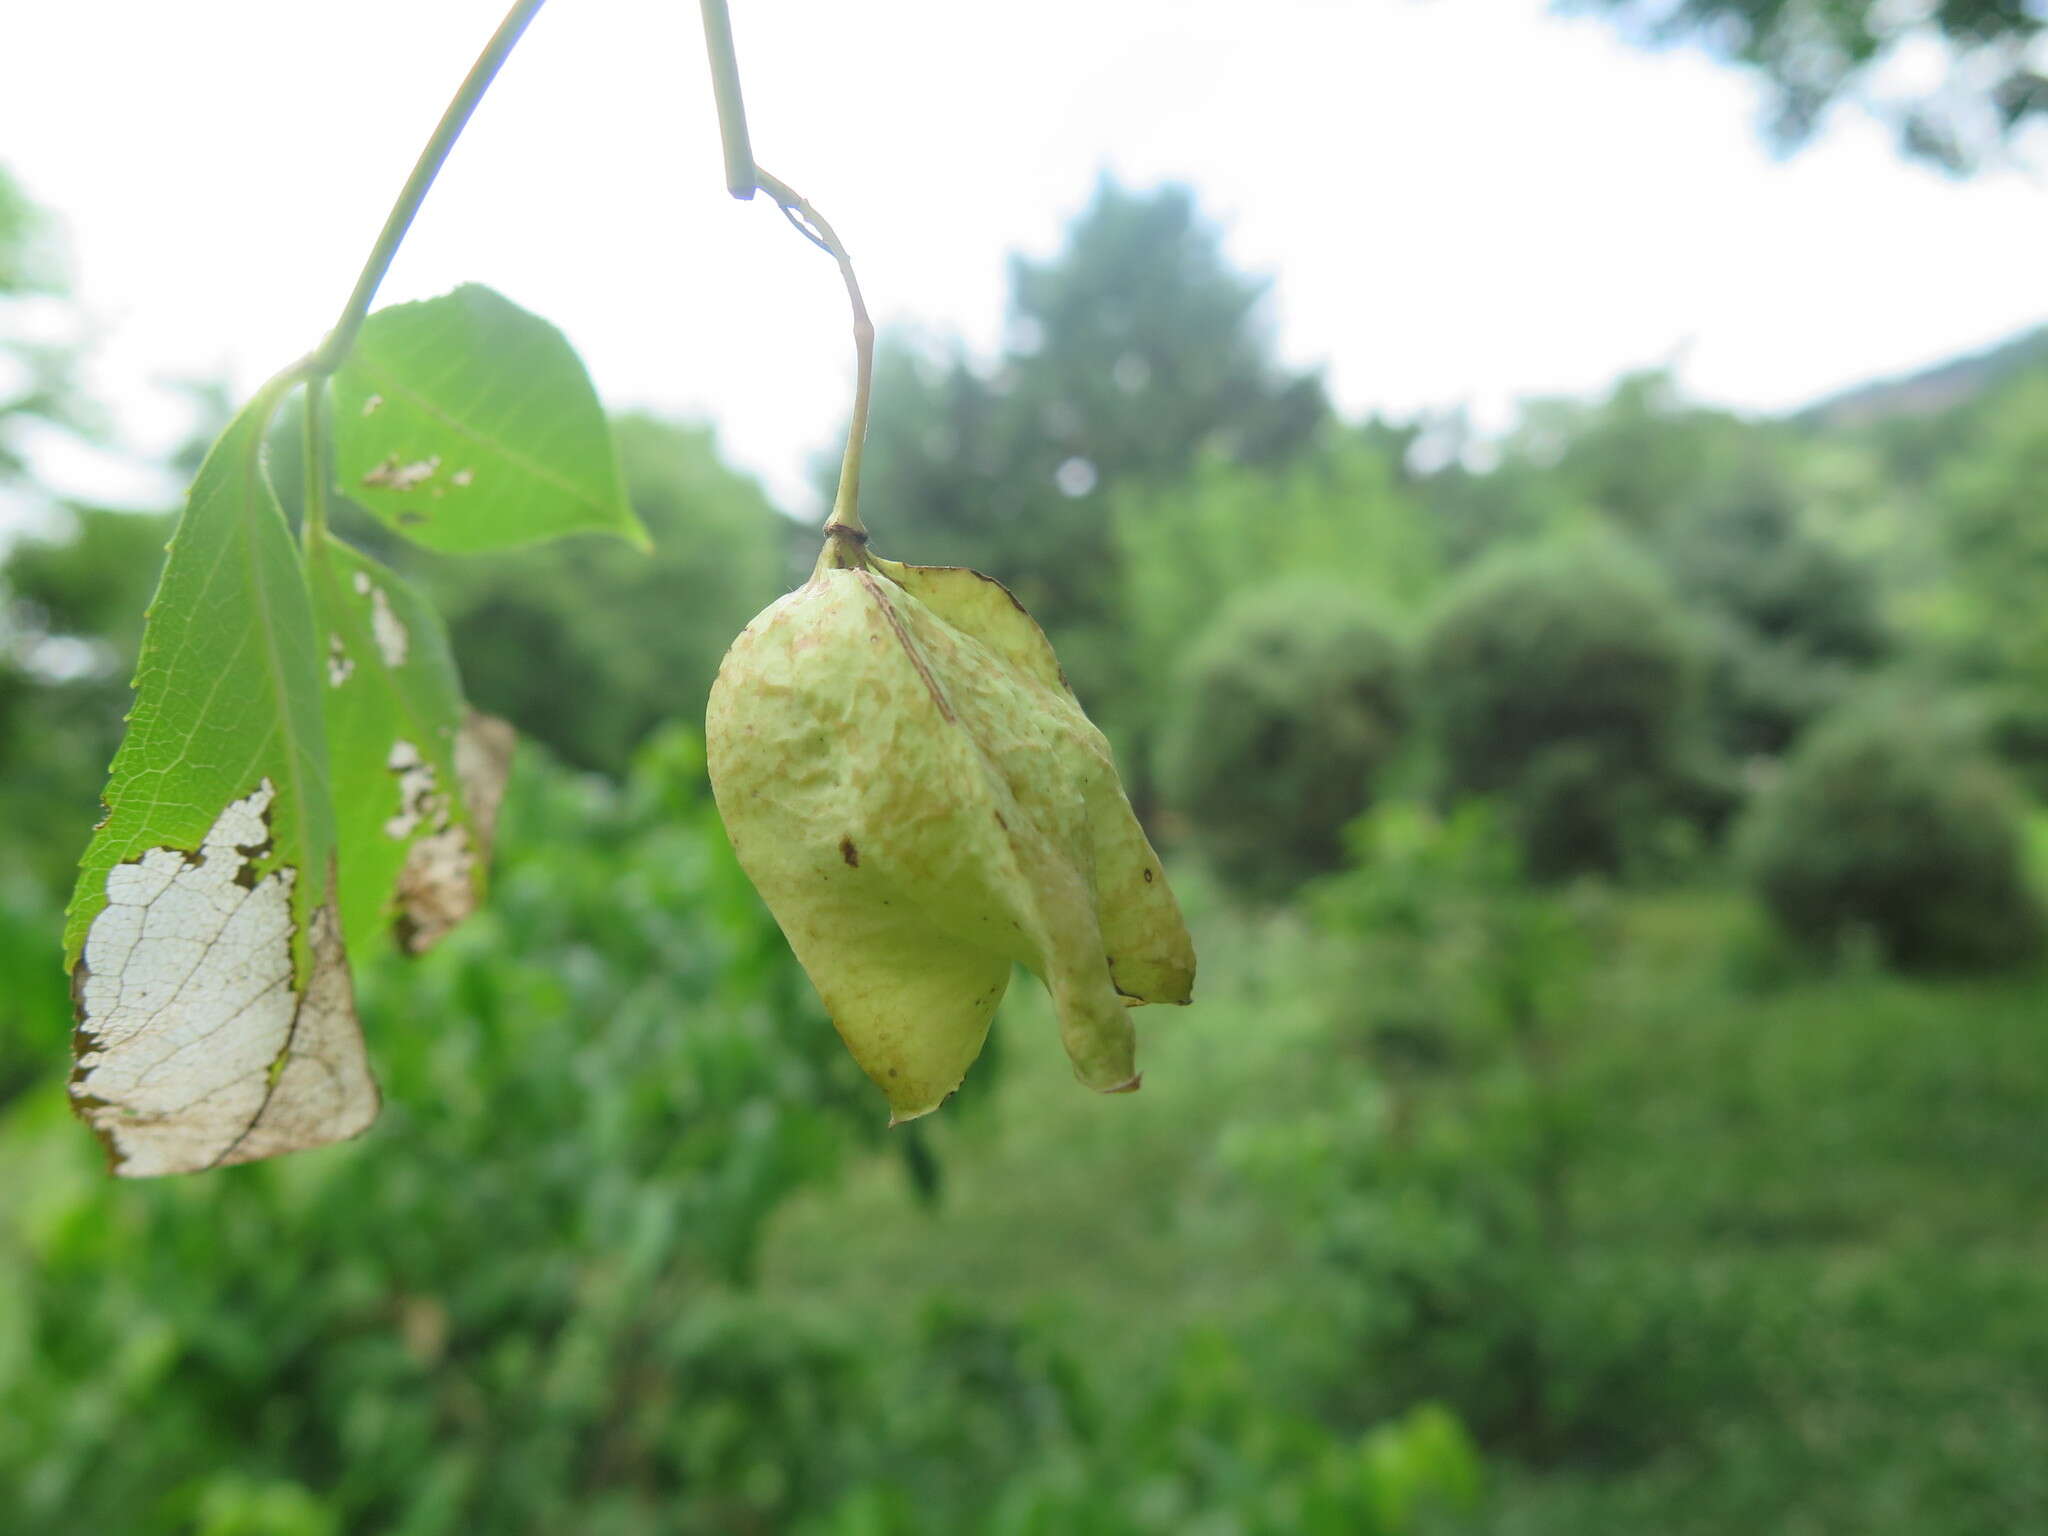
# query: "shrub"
1561 680
1792 620
993 1428
1287 710
1441 1201
1889 823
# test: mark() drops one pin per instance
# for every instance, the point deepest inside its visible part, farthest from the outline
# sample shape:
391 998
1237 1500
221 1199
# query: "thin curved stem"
812 225
330 353
742 178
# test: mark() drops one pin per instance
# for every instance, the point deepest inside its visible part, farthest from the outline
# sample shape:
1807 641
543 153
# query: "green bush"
989 1426
1792 621
1561 679
1889 823
1439 1200
1286 712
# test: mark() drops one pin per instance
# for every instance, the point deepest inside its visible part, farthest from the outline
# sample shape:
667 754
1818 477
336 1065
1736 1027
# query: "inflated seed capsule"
916 794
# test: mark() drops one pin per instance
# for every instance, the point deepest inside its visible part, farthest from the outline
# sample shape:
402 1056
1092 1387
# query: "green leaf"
417 775
216 1023
466 423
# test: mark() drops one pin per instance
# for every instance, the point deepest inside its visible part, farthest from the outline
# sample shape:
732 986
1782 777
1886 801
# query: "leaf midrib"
251 471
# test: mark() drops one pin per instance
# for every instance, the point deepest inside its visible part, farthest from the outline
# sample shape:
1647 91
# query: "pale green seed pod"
916 794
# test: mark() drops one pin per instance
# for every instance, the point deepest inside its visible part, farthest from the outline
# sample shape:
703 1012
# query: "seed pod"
916 794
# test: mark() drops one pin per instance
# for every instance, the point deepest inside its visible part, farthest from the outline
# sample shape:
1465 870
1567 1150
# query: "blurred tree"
1138 346
1990 490
1792 622
89 583
1477 510
1984 618
1284 716
1992 85
1564 679
1734 512
1332 514
1131 354
1889 823
1639 456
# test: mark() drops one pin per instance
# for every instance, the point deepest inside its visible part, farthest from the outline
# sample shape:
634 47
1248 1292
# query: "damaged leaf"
196 1048
215 1017
417 775
466 423
918 797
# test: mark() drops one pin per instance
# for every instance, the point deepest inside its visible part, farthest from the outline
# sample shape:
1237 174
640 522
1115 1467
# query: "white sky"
1462 201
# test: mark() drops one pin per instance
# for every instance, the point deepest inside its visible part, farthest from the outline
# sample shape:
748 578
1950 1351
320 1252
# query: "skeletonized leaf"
466 423
216 1022
417 776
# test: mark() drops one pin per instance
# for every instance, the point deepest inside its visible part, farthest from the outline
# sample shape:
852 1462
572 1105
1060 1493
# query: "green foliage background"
1492 1184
